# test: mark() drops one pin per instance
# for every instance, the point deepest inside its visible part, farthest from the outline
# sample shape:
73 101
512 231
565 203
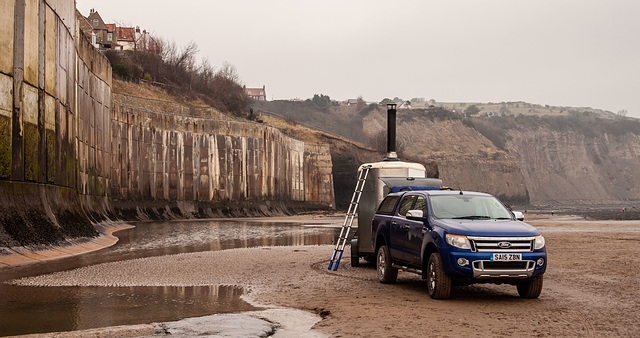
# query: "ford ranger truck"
456 238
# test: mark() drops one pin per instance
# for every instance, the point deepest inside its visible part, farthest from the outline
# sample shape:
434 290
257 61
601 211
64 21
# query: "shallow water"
26 310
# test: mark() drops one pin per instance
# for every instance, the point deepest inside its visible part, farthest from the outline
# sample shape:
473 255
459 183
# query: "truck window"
421 204
407 202
387 205
467 206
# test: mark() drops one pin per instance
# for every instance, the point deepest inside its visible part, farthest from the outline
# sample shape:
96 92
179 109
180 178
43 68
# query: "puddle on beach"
25 310
54 309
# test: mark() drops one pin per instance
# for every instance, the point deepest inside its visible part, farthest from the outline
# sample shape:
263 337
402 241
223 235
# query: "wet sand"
590 288
15 256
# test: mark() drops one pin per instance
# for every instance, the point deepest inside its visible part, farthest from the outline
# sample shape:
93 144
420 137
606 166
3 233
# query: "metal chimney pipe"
391 133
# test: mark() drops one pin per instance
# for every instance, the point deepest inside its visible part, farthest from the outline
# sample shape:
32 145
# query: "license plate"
506 257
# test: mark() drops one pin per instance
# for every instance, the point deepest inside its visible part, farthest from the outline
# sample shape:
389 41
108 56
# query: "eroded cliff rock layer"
571 168
551 162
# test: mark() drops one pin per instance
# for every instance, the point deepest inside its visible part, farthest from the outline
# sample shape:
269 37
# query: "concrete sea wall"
210 166
72 154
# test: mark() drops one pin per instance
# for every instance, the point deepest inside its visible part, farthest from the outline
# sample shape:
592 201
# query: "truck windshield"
468 207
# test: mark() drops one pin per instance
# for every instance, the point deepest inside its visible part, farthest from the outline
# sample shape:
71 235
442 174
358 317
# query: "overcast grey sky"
582 53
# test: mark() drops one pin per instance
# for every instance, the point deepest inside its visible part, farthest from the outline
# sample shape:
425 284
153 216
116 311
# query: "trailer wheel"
530 289
438 282
355 255
387 274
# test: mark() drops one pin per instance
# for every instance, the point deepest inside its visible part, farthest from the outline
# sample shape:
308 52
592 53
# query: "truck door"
416 233
399 229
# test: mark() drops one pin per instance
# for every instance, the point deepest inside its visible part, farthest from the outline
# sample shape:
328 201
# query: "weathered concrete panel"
50 52
6 36
66 10
297 170
6 95
31 36
50 136
30 104
318 171
30 129
61 66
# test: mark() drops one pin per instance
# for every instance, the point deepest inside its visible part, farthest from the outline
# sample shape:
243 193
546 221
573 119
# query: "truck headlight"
539 242
458 241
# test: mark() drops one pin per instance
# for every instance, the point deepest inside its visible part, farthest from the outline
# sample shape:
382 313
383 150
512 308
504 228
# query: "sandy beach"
590 289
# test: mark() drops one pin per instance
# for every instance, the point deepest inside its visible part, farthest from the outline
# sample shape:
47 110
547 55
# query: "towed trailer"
375 181
383 178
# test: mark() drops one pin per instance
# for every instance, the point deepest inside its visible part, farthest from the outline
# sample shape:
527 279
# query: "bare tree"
205 73
360 105
229 71
178 68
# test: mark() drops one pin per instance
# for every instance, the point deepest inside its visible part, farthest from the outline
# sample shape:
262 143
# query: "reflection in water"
49 309
165 238
54 309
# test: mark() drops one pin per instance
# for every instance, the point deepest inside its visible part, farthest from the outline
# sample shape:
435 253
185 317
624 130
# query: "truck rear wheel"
355 255
438 282
387 274
530 289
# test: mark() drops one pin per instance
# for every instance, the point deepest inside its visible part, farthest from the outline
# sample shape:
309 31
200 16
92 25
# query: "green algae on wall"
50 136
31 138
5 147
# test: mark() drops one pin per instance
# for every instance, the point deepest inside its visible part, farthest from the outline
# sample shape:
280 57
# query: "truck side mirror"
519 215
416 215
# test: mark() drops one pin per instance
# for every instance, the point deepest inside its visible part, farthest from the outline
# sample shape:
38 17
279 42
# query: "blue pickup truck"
456 238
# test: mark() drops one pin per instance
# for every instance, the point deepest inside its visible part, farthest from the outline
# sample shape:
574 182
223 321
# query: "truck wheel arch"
428 250
380 241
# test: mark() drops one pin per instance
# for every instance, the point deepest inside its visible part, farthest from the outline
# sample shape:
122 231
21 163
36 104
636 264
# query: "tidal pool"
32 309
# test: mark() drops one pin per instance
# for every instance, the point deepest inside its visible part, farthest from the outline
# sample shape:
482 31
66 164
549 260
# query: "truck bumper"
479 266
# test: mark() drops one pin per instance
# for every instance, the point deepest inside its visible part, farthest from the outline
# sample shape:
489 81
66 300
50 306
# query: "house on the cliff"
258 94
351 102
109 36
126 38
131 38
103 36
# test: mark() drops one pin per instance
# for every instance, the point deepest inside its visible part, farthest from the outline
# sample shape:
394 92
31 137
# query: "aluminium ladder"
348 220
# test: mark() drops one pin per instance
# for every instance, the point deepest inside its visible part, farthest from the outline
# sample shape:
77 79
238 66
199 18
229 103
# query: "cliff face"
571 168
465 159
537 164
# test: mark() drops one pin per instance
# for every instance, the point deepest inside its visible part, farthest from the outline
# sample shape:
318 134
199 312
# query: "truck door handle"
393 224
407 227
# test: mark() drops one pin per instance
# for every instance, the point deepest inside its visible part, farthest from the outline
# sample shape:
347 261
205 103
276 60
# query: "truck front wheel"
387 274
530 289
438 282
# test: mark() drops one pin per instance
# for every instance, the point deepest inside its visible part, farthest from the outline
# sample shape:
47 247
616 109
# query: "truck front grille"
501 244
515 269
517 265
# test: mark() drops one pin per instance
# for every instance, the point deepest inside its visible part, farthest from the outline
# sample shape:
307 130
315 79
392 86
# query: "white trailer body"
383 178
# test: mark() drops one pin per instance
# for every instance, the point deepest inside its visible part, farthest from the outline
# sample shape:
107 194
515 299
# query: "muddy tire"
530 289
387 274
355 255
438 282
